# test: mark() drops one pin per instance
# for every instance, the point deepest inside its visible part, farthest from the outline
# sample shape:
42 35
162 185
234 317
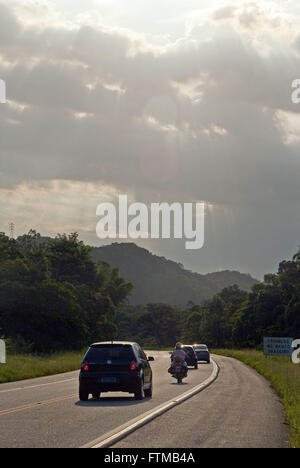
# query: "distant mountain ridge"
158 280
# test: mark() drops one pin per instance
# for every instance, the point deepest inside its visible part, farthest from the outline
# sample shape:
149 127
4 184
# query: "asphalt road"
238 410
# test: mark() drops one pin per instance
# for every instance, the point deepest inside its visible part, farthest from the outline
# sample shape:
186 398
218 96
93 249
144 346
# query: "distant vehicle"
202 353
191 357
115 367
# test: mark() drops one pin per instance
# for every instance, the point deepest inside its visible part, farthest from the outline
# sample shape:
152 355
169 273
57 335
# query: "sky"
162 100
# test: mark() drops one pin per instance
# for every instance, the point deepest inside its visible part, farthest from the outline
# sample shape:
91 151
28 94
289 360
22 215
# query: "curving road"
238 410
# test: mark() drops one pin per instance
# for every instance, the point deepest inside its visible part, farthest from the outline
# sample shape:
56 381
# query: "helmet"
178 346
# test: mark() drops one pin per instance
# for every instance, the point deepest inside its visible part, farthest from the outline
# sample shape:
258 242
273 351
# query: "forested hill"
158 280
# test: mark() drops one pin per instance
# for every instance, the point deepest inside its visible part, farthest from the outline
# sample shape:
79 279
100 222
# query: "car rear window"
200 347
188 349
103 353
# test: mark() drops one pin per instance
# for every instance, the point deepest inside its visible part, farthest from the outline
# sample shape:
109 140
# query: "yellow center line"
35 405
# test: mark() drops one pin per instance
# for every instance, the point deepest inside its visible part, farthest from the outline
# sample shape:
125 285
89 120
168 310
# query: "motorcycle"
178 371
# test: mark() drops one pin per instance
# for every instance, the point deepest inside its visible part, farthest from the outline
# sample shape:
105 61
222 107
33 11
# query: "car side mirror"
151 358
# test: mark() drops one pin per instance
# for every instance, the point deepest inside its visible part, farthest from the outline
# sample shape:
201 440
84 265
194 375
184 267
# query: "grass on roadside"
285 379
22 367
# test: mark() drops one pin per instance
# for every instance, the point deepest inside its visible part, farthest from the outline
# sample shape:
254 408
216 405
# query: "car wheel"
83 395
140 392
96 395
148 393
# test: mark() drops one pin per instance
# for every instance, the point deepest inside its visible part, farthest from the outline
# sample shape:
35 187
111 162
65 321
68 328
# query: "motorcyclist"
178 355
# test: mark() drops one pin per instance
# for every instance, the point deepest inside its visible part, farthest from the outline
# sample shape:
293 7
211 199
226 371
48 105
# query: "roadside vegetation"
285 379
23 367
54 297
232 319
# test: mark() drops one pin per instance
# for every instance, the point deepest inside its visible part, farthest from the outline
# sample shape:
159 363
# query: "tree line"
54 297
231 319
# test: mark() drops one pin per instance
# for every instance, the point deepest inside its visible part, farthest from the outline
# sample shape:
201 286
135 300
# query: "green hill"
158 280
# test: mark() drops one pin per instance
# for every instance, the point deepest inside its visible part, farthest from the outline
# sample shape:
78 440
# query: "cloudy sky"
163 100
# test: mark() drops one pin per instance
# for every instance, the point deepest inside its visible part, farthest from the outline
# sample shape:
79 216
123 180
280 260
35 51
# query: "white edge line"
123 431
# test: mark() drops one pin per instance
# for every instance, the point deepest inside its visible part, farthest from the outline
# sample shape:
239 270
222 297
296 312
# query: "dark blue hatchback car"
202 353
115 367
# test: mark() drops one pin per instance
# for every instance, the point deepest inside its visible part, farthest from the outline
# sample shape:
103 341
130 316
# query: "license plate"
109 380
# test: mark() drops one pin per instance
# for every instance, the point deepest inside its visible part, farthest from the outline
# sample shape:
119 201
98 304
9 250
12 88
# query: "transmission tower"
11 231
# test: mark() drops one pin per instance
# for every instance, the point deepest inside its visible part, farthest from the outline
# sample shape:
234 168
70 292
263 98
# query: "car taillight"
133 366
85 367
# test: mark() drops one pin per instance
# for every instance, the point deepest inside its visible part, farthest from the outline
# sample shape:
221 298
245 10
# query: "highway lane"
45 412
239 410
